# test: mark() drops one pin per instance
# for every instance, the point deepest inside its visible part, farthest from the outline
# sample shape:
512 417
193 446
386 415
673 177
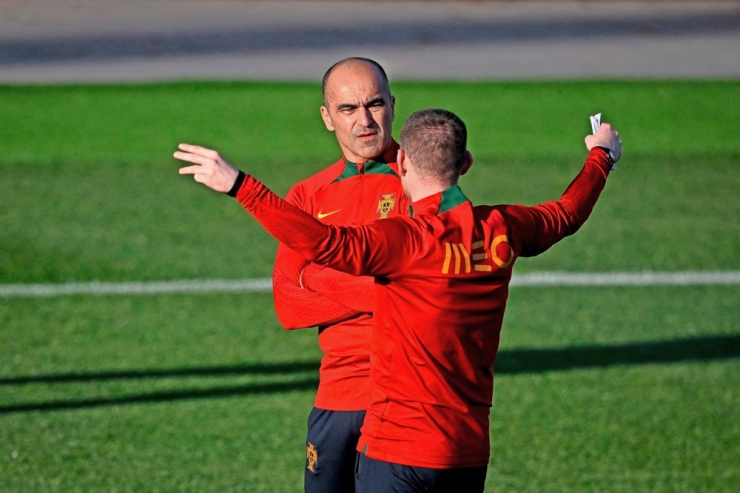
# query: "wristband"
609 156
237 184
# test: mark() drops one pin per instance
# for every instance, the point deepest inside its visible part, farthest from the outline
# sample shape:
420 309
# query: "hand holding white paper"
595 124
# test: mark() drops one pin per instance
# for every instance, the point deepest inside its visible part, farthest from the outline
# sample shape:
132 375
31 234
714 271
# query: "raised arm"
535 229
296 306
363 250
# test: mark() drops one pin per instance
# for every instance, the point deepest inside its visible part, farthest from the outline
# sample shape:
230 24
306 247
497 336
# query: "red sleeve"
355 292
297 307
362 250
535 229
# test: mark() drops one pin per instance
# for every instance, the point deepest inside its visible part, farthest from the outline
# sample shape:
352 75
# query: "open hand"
606 137
210 168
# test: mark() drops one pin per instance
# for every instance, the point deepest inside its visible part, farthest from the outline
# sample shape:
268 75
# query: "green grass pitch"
598 389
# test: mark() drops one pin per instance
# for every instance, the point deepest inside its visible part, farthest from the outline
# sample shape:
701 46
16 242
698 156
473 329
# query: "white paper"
595 123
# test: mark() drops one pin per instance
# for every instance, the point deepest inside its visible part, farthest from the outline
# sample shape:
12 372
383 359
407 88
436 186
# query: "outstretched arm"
291 298
361 250
535 229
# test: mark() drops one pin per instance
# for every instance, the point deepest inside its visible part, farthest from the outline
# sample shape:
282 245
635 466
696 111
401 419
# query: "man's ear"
467 164
393 108
403 162
327 119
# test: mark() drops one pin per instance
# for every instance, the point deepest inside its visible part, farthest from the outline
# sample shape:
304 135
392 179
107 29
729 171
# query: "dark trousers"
376 476
331 450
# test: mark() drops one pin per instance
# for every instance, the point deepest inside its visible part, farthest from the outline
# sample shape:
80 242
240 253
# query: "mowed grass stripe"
533 279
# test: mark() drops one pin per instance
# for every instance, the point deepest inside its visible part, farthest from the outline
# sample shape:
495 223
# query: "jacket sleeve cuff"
237 184
600 157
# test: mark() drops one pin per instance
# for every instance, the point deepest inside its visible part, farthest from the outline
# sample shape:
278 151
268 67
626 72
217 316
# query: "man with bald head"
361 187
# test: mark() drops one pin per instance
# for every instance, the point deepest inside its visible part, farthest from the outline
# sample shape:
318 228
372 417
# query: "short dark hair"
351 59
436 141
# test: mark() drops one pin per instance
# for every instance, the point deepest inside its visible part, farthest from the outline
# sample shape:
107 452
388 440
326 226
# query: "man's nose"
365 116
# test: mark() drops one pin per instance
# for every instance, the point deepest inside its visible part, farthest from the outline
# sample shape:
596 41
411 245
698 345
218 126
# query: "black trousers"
331 450
375 476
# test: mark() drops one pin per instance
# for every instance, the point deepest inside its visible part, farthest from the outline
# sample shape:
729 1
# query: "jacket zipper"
362 192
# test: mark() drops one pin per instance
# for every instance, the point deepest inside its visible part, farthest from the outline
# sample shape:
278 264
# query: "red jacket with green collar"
442 279
341 305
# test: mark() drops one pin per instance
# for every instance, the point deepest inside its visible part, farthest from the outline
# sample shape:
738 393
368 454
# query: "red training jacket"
441 287
308 295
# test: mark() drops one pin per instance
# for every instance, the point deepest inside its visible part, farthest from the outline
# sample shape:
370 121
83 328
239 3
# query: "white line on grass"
534 279
125 288
546 279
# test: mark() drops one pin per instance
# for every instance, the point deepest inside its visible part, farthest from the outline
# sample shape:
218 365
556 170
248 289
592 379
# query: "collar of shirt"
438 203
385 164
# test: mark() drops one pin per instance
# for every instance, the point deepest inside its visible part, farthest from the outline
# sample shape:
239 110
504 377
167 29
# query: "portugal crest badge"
312 456
386 204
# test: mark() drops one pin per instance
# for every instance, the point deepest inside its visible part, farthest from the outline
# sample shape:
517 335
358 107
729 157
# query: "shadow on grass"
571 358
204 371
508 362
168 396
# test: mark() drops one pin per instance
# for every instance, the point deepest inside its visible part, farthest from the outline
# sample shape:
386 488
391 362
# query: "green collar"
439 202
369 168
452 197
